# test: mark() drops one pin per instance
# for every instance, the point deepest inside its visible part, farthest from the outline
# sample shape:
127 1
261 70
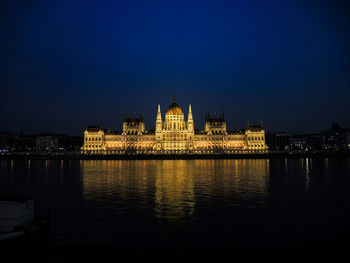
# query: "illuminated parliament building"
174 135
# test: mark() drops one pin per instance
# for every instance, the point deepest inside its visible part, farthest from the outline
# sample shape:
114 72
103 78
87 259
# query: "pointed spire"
190 124
159 115
174 98
261 124
190 118
248 124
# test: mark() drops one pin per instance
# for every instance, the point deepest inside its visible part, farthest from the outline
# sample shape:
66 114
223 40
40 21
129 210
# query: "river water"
243 205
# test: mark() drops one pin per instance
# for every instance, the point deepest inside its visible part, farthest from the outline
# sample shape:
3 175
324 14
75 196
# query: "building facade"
277 141
173 135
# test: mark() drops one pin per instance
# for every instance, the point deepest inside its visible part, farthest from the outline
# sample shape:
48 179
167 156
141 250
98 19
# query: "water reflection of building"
126 179
174 135
174 189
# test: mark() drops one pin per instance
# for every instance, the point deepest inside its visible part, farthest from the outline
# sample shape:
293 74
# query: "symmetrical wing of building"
173 135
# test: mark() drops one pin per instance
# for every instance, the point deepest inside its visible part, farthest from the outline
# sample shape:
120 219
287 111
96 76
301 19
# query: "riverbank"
270 155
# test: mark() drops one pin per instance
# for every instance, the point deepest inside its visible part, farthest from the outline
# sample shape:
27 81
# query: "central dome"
174 109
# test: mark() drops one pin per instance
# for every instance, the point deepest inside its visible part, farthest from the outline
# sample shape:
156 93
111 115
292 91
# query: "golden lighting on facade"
174 135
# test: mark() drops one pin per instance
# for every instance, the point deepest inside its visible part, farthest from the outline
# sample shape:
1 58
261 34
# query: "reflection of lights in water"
174 197
46 168
61 173
172 188
286 166
307 175
11 172
28 170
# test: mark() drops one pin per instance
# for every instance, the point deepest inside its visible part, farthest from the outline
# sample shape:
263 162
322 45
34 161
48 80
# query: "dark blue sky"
68 63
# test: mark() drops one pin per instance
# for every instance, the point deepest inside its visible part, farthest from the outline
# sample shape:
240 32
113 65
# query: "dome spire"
174 109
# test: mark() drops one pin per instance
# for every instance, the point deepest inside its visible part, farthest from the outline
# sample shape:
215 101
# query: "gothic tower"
190 129
159 125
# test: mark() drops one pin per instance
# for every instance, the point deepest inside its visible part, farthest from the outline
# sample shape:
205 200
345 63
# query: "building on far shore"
336 138
277 141
333 139
46 142
43 142
7 141
306 142
174 135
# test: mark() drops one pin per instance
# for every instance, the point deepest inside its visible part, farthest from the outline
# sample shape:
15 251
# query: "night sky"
68 63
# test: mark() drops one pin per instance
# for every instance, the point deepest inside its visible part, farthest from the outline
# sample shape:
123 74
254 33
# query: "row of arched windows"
255 138
255 145
93 138
174 126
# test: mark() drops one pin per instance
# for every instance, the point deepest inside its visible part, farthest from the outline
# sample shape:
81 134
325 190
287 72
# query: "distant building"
336 138
8 141
58 142
305 142
277 141
347 139
298 142
46 142
173 135
70 143
26 142
314 141
333 139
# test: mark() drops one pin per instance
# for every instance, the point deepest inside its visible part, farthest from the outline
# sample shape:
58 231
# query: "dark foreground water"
241 208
